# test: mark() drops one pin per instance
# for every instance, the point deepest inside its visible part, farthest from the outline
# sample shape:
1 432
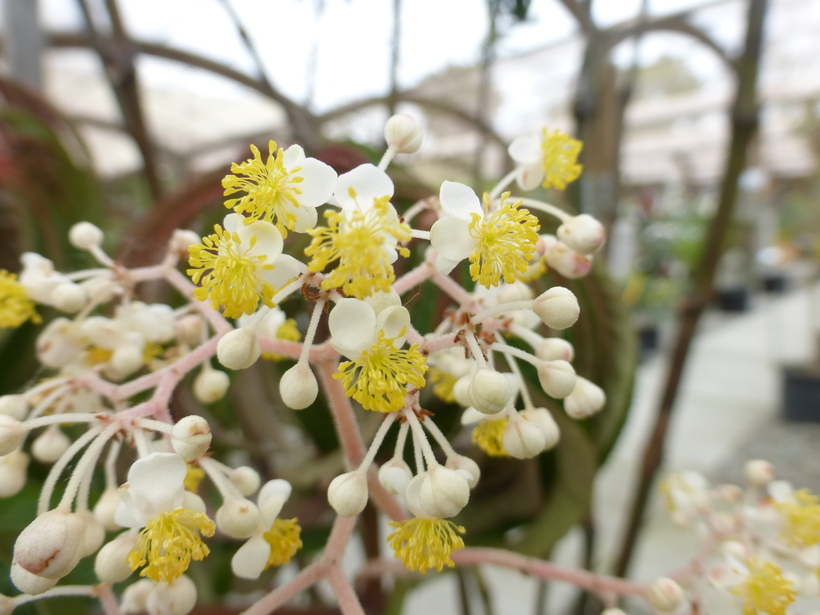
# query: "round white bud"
394 476
188 330
13 473
93 533
568 263
250 559
12 433
210 385
666 595
443 492
557 378
135 596
403 134
523 439
191 437
238 349
759 473
69 297
298 387
238 517
50 445
176 598
461 391
347 493
542 418
125 361
582 233
85 236
105 507
490 391
586 399
465 464
15 406
555 348
181 240
50 546
111 565
557 308
245 479
30 583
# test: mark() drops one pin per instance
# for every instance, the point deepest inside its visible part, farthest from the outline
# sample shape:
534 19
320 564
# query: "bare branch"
580 13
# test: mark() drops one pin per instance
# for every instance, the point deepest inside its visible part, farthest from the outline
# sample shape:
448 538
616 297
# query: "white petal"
233 222
352 326
451 238
529 177
445 265
381 300
319 182
472 416
359 187
270 323
392 320
285 268
293 156
127 513
459 200
525 150
268 239
306 218
249 560
157 480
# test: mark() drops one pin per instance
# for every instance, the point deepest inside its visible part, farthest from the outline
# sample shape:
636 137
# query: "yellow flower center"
284 541
765 589
559 159
378 378
443 383
802 519
16 307
228 275
506 242
287 331
422 544
270 189
193 477
169 542
488 435
358 241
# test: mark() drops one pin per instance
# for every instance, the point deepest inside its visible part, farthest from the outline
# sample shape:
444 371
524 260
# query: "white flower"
450 235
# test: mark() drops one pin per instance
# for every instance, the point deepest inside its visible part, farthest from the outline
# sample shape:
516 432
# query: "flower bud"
586 399
105 507
565 261
181 240
125 360
135 596
12 433
85 236
69 297
518 291
463 464
191 437
461 391
93 533
403 134
298 387
238 349
59 343
245 479
111 565
759 473
542 418
394 476
50 546
582 233
211 385
101 289
443 492
176 598
557 308
13 473
50 445
238 517
188 330
554 349
15 406
523 439
347 493
557 378
30 583
490 391
666 595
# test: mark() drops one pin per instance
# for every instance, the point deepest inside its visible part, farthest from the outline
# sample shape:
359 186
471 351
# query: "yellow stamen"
506 242
228 275
270 189
16 307
488 435
443 383
284 541
802 527
96 355
422 544
169 542
193 478
287 331
765 589
358 242
378 378
559 159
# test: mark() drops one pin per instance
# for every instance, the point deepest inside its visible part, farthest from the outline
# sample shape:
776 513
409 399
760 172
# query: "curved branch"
580 13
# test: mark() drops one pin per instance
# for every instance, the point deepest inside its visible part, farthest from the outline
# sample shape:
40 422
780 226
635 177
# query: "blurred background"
701 124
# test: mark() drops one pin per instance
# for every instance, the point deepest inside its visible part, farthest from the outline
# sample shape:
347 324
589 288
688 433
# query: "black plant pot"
775 283
801 393
733 299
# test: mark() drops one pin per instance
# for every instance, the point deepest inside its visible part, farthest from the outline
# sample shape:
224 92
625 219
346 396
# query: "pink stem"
282 594
184 286
414 277
348 600
449 286
386 502
349 435
108 601
432 344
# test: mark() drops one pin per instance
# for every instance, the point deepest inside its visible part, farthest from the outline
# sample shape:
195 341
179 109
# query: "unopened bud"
12 433
50 445
542 418
135 596
518 291
567 262
557 378
238 349
246 479
347 493
13 473
298 387
69 297
85 236
181 240
523 439
555 348
189 330
582 233
403 134
490 391
467 467
175 598
586 399
443 492
105 507
461 391
394 476
111 565
15 406
191 437
50 546
211 385
238 517
30 583
557 308
666 595
93 533
125 361
759 473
